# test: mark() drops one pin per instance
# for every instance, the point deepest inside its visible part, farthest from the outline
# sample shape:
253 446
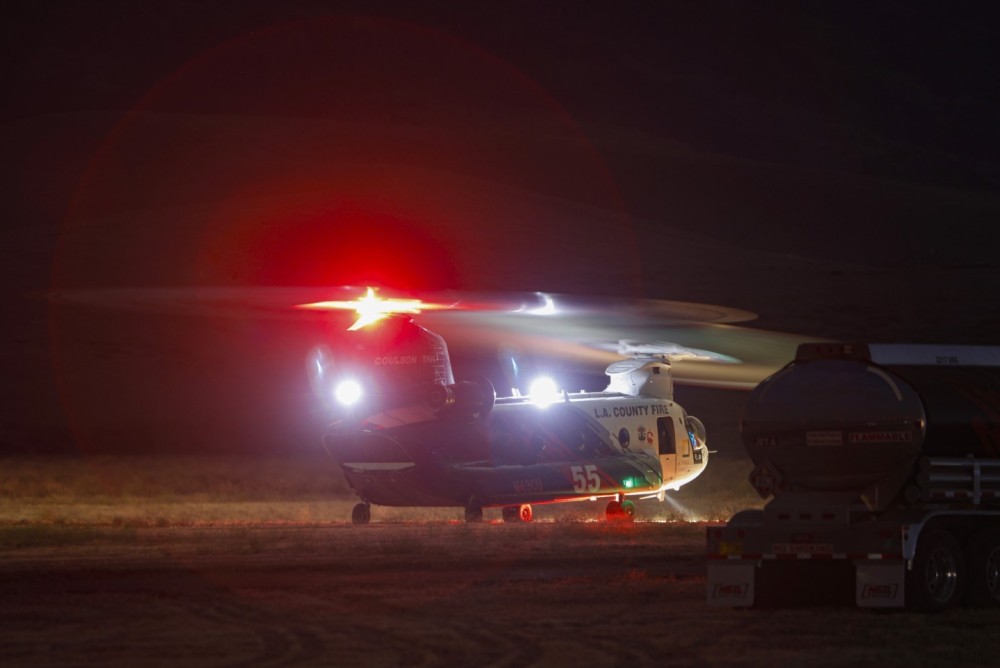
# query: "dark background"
830 166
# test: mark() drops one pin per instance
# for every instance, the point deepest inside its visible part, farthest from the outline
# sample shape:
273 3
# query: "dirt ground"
423 594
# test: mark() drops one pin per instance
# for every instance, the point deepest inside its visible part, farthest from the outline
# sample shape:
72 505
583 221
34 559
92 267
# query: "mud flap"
880 584
730 583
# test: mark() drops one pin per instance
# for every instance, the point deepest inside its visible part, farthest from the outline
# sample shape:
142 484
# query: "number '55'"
585 478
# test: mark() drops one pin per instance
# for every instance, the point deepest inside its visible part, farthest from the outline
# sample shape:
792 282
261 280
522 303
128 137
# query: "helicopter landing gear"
473 511
362 514
520 513
620 511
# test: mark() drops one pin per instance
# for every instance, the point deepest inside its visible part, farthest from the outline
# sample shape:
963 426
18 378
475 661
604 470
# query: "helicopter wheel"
620 511
474 511
522 513
362 514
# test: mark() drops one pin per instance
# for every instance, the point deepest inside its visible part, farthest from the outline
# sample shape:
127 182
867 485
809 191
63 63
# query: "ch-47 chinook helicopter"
409 435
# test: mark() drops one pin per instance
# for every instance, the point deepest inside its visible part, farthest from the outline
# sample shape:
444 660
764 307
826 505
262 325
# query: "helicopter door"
668 447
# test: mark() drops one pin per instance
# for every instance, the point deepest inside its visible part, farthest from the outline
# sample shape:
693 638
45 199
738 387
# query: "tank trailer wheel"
361 514
983 557
525 513
620 511
937 579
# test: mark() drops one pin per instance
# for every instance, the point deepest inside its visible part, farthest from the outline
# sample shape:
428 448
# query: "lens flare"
348 392
372 308
544 391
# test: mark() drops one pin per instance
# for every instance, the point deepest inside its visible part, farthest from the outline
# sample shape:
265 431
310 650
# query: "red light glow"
372 308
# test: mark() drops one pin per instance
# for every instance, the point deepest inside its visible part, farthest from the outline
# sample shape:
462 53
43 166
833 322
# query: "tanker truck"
882 466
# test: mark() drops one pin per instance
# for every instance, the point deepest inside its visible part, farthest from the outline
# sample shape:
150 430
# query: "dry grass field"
206 491
250 562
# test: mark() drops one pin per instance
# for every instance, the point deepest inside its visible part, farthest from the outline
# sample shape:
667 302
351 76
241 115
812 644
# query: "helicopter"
407 434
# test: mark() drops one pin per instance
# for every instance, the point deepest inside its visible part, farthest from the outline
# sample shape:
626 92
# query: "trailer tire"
983 556
937 578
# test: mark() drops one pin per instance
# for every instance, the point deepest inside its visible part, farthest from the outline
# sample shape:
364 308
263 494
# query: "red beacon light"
372 308
399 363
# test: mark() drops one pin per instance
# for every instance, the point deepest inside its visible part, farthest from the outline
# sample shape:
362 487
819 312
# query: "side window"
665 431
549 447
569 436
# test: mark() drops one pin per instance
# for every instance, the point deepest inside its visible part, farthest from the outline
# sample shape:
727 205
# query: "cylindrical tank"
841 421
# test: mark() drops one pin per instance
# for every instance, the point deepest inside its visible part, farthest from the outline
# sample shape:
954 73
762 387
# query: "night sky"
728 120
830 166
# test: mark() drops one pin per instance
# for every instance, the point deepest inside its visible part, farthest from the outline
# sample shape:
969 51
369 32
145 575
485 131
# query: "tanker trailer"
882 466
